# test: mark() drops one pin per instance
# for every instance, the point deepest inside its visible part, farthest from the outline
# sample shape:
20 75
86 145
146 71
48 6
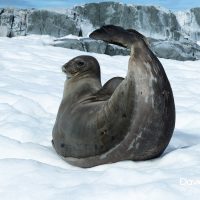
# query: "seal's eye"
81 63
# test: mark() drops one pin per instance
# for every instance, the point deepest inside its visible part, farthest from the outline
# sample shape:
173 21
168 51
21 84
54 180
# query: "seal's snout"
64 68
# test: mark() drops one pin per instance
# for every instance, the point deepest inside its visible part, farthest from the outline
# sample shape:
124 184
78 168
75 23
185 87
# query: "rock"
69 43
13 22
190 23
149 20
95 46
113 50
3 31
185 50
89 45
175 34
45 22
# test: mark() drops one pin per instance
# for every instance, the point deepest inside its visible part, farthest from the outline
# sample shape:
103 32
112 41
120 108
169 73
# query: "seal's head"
82 66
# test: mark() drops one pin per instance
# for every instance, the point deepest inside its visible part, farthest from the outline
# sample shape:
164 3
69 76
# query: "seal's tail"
117 35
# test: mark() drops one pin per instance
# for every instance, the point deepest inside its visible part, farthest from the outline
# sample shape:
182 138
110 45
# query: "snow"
31 86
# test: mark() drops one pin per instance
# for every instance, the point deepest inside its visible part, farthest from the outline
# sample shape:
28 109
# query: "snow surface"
31 86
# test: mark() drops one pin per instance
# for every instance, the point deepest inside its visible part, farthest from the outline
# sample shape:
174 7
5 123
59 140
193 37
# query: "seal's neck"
78 88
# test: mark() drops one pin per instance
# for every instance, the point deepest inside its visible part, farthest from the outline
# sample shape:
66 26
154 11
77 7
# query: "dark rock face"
185 50
89 45
196 14
44 22
190 23
13 22
168 29
113 50
69 44
149 20
94 46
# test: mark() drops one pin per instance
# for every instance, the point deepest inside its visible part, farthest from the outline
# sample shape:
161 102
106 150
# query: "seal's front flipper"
117 35
107 90
110 86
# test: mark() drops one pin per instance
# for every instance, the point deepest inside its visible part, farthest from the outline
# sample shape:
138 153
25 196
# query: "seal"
126 119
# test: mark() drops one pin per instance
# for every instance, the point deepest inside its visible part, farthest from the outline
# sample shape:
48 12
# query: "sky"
170 4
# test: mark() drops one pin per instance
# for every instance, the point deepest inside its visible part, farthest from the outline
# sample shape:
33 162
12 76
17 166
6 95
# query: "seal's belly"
86 134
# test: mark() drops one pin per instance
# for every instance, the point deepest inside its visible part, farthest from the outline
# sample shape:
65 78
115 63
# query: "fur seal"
126 119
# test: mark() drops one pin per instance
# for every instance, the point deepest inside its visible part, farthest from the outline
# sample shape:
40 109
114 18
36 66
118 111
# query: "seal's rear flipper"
112 34
117 35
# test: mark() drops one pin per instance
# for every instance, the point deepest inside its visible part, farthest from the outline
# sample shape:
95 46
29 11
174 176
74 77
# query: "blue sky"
170 4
